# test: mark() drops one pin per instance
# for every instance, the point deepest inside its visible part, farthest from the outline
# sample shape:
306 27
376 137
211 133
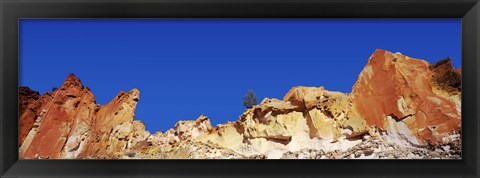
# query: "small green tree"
250 99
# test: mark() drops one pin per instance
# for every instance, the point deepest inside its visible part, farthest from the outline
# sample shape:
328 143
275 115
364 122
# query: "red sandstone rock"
26 96
70 124
30 106
57 122
113 126
401 87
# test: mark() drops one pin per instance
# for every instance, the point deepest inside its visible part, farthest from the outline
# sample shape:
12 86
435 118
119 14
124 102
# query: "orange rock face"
408 90
68 122
29 109
57 119
113 125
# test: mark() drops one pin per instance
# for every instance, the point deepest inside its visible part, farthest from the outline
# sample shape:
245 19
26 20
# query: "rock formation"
408 97
400 107
69 124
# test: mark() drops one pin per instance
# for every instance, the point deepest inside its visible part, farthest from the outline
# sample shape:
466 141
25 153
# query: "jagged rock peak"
72 81
132 95
69 124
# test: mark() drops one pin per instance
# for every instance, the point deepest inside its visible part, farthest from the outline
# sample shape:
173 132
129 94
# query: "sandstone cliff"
400 107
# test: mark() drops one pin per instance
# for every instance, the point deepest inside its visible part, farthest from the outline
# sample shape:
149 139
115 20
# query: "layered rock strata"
397 102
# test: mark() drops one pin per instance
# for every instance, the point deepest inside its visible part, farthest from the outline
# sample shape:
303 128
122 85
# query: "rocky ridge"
400 107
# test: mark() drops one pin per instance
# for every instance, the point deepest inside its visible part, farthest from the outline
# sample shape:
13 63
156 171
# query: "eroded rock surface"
400 107
423 99
69 124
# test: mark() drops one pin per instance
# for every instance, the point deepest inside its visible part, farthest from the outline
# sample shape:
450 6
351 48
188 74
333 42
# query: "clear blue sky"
188 67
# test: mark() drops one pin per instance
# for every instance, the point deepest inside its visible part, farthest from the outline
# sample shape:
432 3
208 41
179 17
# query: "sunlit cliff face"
400 107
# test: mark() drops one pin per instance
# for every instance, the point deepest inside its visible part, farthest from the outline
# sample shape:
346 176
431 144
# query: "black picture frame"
13 10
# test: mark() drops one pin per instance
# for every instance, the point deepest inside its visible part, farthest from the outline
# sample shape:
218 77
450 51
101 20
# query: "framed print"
416 115
239 88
